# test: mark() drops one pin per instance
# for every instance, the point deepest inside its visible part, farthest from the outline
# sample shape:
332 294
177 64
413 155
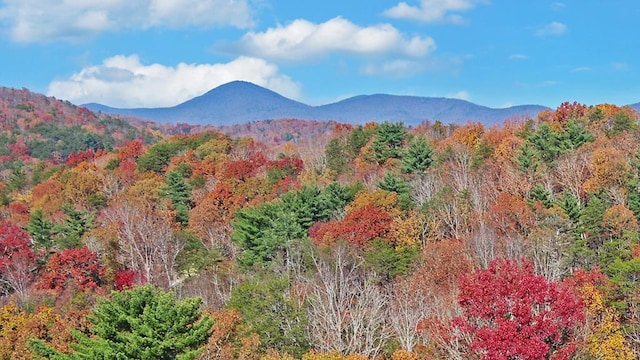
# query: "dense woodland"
124 239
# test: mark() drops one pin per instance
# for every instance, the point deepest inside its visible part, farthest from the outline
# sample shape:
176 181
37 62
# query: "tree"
346 309
146 241
79 268
268 307
388 142
418 157
335 156
40 229
179 192
512 313
141 323
394 183
75 225
17 260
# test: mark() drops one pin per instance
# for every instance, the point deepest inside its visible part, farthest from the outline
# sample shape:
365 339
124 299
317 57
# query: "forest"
282 240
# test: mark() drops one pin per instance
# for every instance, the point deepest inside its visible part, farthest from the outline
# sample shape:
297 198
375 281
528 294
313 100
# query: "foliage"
418 157
141 323
78 268
178 191
271 311
512 313
388 141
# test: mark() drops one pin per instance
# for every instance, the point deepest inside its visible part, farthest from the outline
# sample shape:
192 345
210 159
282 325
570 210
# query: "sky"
156 53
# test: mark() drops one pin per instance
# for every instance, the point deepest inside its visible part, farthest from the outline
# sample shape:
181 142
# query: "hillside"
37 127
241 102
427 242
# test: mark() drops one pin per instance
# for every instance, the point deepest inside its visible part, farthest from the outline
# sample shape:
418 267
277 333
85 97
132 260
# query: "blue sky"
150 53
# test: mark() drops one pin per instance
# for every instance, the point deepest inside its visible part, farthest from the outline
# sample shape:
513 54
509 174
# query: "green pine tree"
389 141
266 304
143 323
418 157
179 192
335 155
40 229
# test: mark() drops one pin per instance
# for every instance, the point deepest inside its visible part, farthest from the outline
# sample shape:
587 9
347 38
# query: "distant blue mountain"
241 102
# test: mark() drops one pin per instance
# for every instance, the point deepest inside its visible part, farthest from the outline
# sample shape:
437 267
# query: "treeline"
433 242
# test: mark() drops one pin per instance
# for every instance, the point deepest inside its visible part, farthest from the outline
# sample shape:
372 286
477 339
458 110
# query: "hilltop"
241 102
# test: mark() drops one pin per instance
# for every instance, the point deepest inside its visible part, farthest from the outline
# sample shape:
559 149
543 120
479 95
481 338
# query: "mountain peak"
242 101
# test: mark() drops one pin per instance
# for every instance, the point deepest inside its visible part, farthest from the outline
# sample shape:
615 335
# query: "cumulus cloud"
75 20
429 11
303 40
123 81
552 29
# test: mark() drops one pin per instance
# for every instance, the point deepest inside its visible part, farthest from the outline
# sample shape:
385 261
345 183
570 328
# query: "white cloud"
123 81
462 95
303 40
76 20
581 69
429 11
552 29
620 66
518 57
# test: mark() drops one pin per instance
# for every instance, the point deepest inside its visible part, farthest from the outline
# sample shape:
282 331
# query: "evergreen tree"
266 305
40 229
142 323
394 183
539 193
570 205
251 232
179 192
336 160
17 179
546 142
527 158
418 157
357 139
389 141
575 136
76 224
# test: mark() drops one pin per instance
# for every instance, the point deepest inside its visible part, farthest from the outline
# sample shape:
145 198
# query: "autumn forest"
292 239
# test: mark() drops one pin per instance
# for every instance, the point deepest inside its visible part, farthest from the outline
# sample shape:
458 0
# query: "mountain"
232 103
636 107
413 109
242 102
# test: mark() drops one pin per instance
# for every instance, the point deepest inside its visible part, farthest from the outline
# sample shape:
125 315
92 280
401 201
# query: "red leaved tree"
80 268
511 313
17 260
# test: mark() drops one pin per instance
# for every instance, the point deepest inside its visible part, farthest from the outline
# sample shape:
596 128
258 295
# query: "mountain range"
241 102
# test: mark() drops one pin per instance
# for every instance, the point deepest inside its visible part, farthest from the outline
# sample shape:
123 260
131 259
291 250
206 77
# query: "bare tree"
346 309
409 305
146 242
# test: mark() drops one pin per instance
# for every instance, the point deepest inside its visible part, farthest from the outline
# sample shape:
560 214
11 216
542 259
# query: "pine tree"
418 157
40 229
336 160
267 306
388 142
179 192
143 323
394 183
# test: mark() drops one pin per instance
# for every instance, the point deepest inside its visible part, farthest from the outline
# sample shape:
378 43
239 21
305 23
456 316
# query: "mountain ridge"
242 102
